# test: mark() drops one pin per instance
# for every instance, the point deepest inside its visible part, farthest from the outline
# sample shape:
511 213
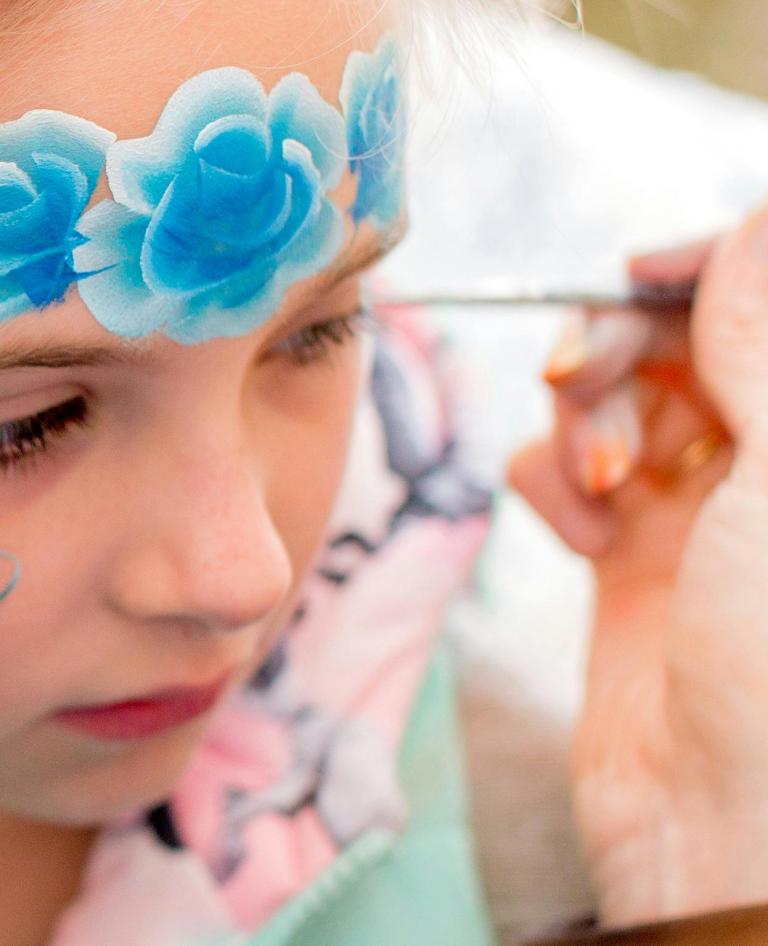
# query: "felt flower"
50 163
218 211
374 108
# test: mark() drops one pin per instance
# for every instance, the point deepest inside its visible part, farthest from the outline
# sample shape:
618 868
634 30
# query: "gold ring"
691 458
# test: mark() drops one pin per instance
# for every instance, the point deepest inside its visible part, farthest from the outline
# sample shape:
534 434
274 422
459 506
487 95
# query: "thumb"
678 265
730 329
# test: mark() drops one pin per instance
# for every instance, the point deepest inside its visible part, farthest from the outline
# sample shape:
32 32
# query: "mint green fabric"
420 888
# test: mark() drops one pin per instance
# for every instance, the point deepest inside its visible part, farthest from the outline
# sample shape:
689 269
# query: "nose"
200 547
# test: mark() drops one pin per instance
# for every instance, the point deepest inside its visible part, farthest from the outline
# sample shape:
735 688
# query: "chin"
140 777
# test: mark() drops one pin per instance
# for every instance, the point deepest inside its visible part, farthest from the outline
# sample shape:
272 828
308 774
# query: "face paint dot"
10 572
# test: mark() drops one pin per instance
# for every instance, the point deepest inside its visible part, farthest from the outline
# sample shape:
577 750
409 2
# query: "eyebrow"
71 356
356 260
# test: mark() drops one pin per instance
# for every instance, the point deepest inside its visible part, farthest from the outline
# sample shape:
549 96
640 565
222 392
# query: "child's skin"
163 544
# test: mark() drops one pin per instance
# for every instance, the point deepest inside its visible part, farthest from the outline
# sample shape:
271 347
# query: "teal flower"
217 212
50 163
374 108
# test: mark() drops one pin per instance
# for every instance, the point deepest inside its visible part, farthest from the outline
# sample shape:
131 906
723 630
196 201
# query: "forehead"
118 61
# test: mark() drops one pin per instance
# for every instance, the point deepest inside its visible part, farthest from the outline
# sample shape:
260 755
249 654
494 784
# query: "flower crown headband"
214 215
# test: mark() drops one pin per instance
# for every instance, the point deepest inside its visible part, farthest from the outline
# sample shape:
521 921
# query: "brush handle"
641 295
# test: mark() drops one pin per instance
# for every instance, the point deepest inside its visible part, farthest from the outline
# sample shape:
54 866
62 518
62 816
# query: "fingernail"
596 352
570 353
607 443
605 467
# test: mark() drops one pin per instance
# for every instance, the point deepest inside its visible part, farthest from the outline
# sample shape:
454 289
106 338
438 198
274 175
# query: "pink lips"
142 717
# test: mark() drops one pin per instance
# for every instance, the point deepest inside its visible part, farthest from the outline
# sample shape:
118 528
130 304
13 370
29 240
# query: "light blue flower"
217 212
374 108
50 163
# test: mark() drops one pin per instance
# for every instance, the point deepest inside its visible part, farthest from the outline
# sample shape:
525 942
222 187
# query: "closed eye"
22 440
315 343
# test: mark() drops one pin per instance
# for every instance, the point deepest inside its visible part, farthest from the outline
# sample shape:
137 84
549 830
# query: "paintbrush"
639 295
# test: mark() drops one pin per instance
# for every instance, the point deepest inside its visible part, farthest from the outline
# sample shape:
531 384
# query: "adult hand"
669 760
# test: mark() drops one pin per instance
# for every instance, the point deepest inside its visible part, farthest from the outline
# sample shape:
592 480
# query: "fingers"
679 265
638 424
599 445
600 348
730 330
597 439
587 525
597 350
626 402
616 375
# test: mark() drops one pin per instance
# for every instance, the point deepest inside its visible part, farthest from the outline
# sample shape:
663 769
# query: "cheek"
39 652
300 434
307 454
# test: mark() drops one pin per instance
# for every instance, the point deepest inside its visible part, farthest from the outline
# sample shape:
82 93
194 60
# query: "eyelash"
23 440
315 342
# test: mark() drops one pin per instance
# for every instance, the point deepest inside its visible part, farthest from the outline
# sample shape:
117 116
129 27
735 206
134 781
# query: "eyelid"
314 342
34 400
24 439
358 312
351 293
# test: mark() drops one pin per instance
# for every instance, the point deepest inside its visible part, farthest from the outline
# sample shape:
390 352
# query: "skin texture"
162 544
668 761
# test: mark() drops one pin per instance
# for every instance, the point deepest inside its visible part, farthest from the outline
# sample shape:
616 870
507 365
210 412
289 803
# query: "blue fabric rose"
218 211
50 163
374 108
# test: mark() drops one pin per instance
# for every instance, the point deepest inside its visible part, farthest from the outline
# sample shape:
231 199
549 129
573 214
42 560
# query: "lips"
145 716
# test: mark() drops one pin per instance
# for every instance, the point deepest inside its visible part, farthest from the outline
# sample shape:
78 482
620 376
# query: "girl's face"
184 489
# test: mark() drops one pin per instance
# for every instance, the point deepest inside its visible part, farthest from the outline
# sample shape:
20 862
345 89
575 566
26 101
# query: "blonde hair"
463 21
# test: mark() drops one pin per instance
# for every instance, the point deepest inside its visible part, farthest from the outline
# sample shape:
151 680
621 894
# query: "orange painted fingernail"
570 353
605 466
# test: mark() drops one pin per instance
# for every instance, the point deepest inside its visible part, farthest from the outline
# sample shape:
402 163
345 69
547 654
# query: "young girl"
232 518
